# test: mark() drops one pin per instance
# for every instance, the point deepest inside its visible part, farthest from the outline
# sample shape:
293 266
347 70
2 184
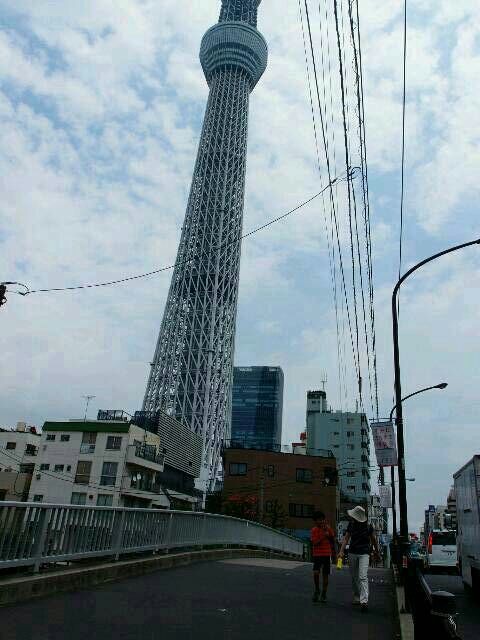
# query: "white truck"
467 490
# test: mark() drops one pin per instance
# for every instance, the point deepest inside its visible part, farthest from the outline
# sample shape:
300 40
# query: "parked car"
417 552
442 550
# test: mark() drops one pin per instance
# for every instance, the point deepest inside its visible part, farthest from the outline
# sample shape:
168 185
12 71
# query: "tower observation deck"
192 368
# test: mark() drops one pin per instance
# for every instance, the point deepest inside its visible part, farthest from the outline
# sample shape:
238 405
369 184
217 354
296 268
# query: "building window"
330 474
88 442
300 510
114 443
350 474
69 467
269 506
38 497
59 468
304 475
364 445
44 467
270 471
350 434
78 498
336 446
109 474
351 487
104 500
237 469
11 445
51 436
65 437
84 468
351 446
30 450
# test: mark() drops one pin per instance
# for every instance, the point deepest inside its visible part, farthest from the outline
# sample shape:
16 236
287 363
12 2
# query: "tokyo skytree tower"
192 369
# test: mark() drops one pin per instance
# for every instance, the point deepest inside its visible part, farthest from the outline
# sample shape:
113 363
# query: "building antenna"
87 402
324 379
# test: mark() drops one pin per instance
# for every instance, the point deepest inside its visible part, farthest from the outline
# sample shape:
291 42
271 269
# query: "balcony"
144 455
144 488
179 487
87 448
31 450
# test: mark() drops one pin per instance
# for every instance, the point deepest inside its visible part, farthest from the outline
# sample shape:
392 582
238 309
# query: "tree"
276 516
241 506
214 503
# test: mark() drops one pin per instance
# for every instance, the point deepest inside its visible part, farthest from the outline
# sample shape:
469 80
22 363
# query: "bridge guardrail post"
39 546
117 545
168 535
202 531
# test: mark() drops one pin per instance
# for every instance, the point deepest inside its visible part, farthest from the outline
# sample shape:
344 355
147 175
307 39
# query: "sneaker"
315 596
364 608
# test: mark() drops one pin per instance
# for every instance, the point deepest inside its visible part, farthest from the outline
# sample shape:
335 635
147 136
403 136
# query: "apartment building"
18 451
281 489
98 463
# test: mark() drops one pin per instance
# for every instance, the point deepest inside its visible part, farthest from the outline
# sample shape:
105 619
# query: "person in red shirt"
322 537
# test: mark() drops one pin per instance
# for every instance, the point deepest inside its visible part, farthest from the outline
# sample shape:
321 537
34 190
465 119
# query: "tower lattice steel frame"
192 369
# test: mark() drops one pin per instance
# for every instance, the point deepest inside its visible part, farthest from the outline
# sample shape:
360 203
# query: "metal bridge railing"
33 534
434 612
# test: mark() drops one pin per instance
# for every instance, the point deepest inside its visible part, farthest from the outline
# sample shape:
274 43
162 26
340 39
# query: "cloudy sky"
101 105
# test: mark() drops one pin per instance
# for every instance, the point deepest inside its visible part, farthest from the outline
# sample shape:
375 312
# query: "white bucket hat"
358 514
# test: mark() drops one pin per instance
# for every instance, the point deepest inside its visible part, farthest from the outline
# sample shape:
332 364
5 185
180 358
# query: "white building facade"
347 435
18 453
100 463
18 447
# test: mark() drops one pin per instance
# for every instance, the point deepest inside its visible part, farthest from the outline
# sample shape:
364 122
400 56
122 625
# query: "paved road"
469 610
232 600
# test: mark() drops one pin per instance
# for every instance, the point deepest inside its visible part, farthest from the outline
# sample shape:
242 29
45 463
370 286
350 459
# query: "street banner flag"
385 445
385 496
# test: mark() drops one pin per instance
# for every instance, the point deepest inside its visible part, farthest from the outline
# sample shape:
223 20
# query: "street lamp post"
441 385
402 488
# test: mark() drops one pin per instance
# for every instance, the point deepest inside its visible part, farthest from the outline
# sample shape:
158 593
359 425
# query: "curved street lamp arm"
427 260
415 393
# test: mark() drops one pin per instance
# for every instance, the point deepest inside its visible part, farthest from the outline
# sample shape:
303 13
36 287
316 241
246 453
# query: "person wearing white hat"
361 537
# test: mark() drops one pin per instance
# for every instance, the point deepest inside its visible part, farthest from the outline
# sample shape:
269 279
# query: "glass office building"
257 406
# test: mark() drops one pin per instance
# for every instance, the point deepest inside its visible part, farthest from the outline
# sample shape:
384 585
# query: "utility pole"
262 494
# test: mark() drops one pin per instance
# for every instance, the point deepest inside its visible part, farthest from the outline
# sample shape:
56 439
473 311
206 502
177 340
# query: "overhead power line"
342 52
332 200
109 283
402 189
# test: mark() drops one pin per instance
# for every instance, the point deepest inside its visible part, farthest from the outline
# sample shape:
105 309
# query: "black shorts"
322 563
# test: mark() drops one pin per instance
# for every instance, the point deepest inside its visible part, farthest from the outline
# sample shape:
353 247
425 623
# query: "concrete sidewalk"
231 599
